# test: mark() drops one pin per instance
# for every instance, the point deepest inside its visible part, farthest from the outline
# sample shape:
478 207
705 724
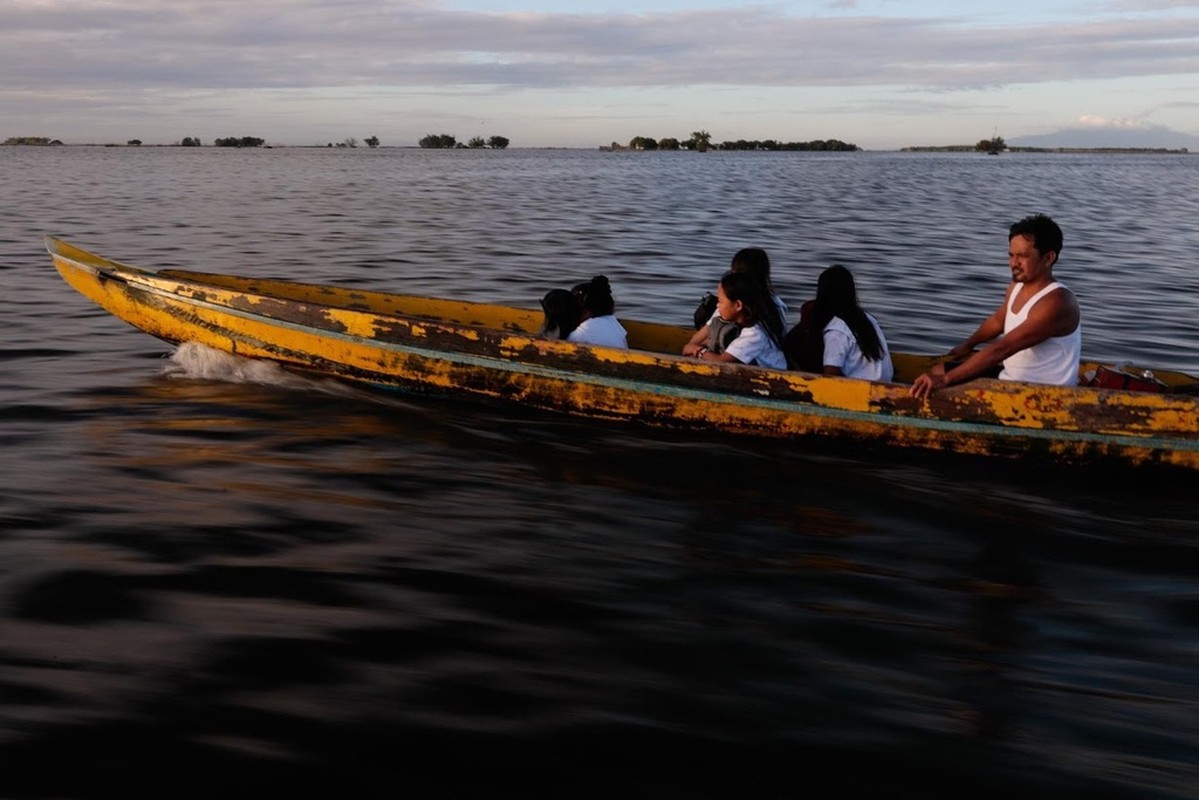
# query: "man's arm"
990 328
937 377
1056 314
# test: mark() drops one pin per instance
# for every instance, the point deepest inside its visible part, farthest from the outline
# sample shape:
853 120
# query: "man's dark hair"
1045 233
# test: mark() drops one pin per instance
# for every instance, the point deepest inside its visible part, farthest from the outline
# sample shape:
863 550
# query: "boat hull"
492 352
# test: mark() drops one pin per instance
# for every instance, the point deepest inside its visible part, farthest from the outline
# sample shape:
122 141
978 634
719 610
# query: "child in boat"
716 333
742 300
836 336
563 313
599 324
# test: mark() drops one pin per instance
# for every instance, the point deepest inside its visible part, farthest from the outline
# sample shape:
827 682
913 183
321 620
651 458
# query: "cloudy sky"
882 74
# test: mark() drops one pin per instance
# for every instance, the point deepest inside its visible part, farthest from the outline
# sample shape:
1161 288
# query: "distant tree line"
995 144
447 141
828 145
702 140
239 141
38 140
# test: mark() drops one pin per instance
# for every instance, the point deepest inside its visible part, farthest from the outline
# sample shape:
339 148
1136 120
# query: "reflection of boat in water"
493 352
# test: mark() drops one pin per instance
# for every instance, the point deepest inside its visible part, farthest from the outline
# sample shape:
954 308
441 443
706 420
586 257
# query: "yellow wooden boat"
493 352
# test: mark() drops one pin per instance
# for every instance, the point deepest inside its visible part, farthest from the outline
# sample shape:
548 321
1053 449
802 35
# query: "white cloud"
1145 6
305 43
305 66
1095 121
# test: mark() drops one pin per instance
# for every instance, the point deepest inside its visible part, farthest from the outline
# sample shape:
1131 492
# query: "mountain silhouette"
1153 137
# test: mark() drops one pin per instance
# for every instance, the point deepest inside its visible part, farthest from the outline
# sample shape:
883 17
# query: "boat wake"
195 361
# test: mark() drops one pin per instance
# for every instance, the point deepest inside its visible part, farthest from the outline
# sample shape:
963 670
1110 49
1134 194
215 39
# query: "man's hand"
924 384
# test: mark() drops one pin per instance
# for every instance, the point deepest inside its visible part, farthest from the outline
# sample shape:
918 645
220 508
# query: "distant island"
997 145
965 148
435 141
42 141
701 141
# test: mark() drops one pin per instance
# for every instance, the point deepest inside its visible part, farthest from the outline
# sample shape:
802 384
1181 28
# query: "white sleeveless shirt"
1053 361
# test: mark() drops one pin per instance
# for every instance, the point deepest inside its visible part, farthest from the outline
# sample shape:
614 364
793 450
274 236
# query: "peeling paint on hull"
492 352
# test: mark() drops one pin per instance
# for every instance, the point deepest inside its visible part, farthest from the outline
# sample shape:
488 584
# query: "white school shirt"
754 346
605 331
841 350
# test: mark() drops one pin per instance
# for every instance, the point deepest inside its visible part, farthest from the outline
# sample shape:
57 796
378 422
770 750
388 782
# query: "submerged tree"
243 141
439 141
38 140
995 144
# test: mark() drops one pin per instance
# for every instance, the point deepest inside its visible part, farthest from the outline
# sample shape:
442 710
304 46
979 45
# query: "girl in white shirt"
742 300
852 340
715 332
599 325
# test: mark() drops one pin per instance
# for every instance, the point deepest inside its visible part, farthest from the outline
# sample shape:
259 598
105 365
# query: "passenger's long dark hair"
562 314
837 296
756 300
754 261
595 296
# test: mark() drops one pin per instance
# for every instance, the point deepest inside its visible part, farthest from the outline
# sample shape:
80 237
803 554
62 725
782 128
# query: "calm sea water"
218 578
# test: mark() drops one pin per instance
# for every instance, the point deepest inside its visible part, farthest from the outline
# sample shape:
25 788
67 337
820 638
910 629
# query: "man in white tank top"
1036 333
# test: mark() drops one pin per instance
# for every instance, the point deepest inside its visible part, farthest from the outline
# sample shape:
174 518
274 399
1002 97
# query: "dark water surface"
218 579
